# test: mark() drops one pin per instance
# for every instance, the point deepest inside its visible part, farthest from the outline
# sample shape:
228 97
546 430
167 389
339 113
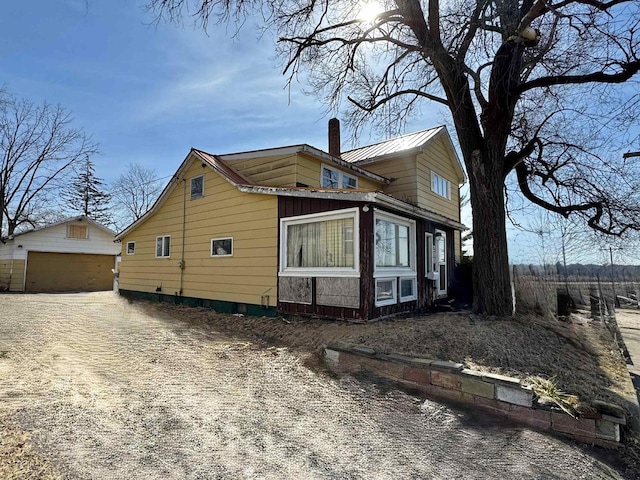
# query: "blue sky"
148 93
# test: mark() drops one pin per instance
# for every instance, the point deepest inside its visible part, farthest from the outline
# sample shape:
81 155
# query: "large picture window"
320 243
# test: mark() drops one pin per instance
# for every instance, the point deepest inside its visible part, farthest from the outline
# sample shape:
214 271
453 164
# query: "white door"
440 260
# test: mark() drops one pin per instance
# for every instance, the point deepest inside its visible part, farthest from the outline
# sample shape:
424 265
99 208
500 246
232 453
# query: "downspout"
184 220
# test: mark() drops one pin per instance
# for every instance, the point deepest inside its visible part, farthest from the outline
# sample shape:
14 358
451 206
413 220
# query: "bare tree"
514 74
134 193
38 147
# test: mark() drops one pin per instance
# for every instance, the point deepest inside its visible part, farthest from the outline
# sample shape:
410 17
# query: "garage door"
68 272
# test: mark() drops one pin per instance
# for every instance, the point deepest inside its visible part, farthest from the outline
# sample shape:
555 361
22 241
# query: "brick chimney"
334 137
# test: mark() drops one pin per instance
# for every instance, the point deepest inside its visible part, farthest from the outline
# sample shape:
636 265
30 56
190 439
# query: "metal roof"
222 168
395 145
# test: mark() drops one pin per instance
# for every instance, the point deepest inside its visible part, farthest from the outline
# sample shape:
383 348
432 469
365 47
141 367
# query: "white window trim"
191 185
394 289
134 248
395 271
222 238
340 173
408 298
447 182
155 247
321 271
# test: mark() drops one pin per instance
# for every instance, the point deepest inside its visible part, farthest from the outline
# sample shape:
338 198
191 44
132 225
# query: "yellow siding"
12 275
291 170
308 170
272 171
437 158
223 212
5 274
403 170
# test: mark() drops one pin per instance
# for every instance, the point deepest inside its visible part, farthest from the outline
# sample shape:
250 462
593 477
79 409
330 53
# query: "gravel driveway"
113 392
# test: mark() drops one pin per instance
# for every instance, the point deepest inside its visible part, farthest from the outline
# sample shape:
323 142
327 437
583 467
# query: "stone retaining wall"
504 396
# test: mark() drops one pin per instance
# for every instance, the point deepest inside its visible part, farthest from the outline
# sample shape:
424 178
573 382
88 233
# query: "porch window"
394 242
320 243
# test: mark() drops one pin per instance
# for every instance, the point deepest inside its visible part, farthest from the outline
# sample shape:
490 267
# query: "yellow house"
357 235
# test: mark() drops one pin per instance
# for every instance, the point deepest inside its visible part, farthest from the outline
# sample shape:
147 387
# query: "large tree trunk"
491 278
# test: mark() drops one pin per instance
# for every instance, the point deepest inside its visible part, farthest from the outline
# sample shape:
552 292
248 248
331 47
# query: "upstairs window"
333 178
197 187
163 246
79 232
440 186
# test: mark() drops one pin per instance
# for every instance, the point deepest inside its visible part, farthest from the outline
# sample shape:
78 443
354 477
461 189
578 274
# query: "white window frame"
155 247
354 271
395 271
191 187
434 187
408 298
222 238
134 248
341 177
394 291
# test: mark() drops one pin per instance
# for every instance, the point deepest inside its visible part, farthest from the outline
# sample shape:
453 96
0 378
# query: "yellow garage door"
68 272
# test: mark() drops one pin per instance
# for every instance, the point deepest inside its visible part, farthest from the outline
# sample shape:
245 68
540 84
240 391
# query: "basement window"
386 291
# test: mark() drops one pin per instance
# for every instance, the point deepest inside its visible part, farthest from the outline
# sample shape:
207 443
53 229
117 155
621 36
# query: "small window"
407 289
80 232
348 181
222 247
440 186
429 266
330 177
197 187
163 246
131 248
385 291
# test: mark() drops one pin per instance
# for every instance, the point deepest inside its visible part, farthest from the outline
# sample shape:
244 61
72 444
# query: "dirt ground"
94 387
577 352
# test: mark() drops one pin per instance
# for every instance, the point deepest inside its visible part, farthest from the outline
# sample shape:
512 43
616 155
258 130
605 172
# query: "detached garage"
76 254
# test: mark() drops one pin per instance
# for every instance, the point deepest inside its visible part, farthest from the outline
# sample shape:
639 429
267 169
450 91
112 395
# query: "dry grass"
535 294
579 354
19 460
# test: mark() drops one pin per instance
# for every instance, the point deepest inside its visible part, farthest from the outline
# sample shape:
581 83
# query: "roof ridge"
394 138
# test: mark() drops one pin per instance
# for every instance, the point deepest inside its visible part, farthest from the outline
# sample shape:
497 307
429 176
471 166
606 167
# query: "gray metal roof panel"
395 145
